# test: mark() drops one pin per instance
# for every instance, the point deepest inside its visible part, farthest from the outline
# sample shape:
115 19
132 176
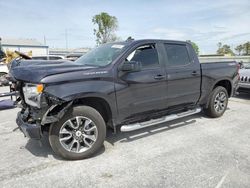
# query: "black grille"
245 79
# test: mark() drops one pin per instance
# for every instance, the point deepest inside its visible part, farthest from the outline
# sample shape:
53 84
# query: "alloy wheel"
78 134
220 102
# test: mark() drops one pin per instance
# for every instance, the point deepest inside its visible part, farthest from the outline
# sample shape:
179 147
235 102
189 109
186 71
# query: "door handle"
194 73
159 77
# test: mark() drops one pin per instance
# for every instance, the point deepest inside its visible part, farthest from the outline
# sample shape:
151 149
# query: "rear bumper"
244 85
29 130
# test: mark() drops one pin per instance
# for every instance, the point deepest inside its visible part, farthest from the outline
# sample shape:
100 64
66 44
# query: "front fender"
61 109
76 90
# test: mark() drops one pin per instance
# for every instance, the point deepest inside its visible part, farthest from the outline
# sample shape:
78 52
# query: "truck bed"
212 72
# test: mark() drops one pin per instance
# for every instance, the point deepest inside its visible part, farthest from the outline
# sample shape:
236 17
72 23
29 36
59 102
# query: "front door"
143 91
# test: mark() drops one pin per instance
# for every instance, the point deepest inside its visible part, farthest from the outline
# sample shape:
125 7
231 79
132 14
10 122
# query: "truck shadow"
42 148
243 96
149 131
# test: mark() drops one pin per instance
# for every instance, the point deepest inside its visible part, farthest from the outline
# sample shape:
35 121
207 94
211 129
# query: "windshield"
102 55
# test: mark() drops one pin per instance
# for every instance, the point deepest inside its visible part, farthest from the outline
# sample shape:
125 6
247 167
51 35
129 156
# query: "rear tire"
79 134
217 103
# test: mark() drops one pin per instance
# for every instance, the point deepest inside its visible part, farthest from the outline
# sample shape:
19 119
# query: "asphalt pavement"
195 151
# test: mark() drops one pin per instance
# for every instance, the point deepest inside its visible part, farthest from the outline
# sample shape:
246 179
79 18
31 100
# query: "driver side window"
146 55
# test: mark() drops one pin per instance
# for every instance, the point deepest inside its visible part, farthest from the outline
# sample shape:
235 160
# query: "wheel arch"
98 103
227 84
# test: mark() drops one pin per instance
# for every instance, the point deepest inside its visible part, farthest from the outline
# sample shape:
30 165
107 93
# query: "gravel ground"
191 152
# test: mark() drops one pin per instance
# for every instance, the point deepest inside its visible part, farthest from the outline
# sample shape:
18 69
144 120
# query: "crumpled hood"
34 71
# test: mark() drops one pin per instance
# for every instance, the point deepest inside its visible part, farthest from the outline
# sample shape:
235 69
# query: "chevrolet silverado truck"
127 85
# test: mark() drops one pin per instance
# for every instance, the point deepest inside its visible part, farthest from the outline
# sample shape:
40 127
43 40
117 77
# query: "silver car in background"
244 84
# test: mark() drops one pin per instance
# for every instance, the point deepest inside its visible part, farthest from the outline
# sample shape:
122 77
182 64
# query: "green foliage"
106 26
195 46
224 49
246 48
243 49
2 54
239 49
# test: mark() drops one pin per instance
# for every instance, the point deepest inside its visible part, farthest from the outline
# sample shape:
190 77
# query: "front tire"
217 103
79 134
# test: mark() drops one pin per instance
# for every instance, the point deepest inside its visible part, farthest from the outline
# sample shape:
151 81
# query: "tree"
239 49
224 49
106 26
246 48
219 44
195 46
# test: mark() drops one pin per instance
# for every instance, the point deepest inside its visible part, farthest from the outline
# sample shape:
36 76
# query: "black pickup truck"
131 85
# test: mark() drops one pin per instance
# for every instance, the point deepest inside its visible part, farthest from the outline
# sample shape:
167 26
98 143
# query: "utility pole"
44 40
66 38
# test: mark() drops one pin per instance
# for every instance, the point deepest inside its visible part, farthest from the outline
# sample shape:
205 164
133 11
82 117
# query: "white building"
64 51
24 46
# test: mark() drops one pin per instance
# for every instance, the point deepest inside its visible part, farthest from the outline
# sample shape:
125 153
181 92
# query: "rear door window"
177 55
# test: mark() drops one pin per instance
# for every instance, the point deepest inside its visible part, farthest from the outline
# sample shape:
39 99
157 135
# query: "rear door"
143 91
183 75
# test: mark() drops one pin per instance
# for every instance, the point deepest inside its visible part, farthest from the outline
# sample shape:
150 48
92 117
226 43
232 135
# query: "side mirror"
131 66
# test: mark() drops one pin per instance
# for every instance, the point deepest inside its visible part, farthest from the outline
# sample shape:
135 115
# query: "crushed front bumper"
29 130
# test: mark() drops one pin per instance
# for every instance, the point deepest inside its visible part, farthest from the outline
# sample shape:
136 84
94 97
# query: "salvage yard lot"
192 152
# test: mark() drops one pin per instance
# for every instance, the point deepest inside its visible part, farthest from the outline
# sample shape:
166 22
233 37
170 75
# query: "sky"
204 22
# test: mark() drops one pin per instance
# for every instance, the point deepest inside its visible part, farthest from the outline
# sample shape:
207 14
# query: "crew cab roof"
129 42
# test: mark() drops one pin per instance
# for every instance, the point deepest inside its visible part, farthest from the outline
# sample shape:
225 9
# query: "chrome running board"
135 126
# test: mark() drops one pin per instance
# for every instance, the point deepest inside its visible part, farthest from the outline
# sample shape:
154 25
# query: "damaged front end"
39 109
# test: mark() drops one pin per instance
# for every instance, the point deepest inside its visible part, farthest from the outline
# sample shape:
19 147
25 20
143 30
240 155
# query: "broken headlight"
32 94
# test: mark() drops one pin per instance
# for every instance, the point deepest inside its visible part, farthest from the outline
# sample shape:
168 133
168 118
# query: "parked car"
3 69
73 56
48 57
132 85
244 84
